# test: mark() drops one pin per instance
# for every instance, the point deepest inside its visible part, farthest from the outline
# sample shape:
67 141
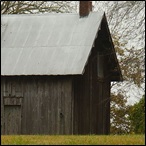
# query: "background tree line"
127 26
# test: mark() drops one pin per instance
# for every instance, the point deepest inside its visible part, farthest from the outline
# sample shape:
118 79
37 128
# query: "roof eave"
118 76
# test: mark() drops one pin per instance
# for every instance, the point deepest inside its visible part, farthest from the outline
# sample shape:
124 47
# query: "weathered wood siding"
92 95
86 98
39 104
103 106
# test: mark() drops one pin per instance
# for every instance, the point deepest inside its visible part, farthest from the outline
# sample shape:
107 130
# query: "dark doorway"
12 123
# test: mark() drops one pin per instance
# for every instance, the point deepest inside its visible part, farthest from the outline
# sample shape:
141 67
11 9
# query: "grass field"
73 139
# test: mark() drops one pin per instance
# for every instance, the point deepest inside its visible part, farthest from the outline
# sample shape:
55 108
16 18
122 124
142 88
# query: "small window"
100 66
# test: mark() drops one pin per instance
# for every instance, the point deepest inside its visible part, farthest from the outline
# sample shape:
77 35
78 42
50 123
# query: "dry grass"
73 139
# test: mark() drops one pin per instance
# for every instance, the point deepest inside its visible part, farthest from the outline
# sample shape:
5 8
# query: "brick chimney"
84 8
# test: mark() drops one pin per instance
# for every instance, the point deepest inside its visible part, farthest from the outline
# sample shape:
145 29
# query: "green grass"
73 139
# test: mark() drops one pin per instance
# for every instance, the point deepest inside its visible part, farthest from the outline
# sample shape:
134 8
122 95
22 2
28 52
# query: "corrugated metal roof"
47 44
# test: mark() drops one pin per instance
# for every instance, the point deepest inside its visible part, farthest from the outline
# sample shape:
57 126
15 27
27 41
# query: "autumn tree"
120 123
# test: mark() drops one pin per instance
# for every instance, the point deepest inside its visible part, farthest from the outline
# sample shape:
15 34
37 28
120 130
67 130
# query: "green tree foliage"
120 123
137 117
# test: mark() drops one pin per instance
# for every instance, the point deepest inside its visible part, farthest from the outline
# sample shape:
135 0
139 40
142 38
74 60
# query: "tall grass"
73 139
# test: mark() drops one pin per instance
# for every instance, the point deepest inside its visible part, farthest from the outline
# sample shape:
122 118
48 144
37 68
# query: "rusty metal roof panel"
47 44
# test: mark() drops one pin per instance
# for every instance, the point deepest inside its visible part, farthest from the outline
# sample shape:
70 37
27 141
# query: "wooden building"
56 71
